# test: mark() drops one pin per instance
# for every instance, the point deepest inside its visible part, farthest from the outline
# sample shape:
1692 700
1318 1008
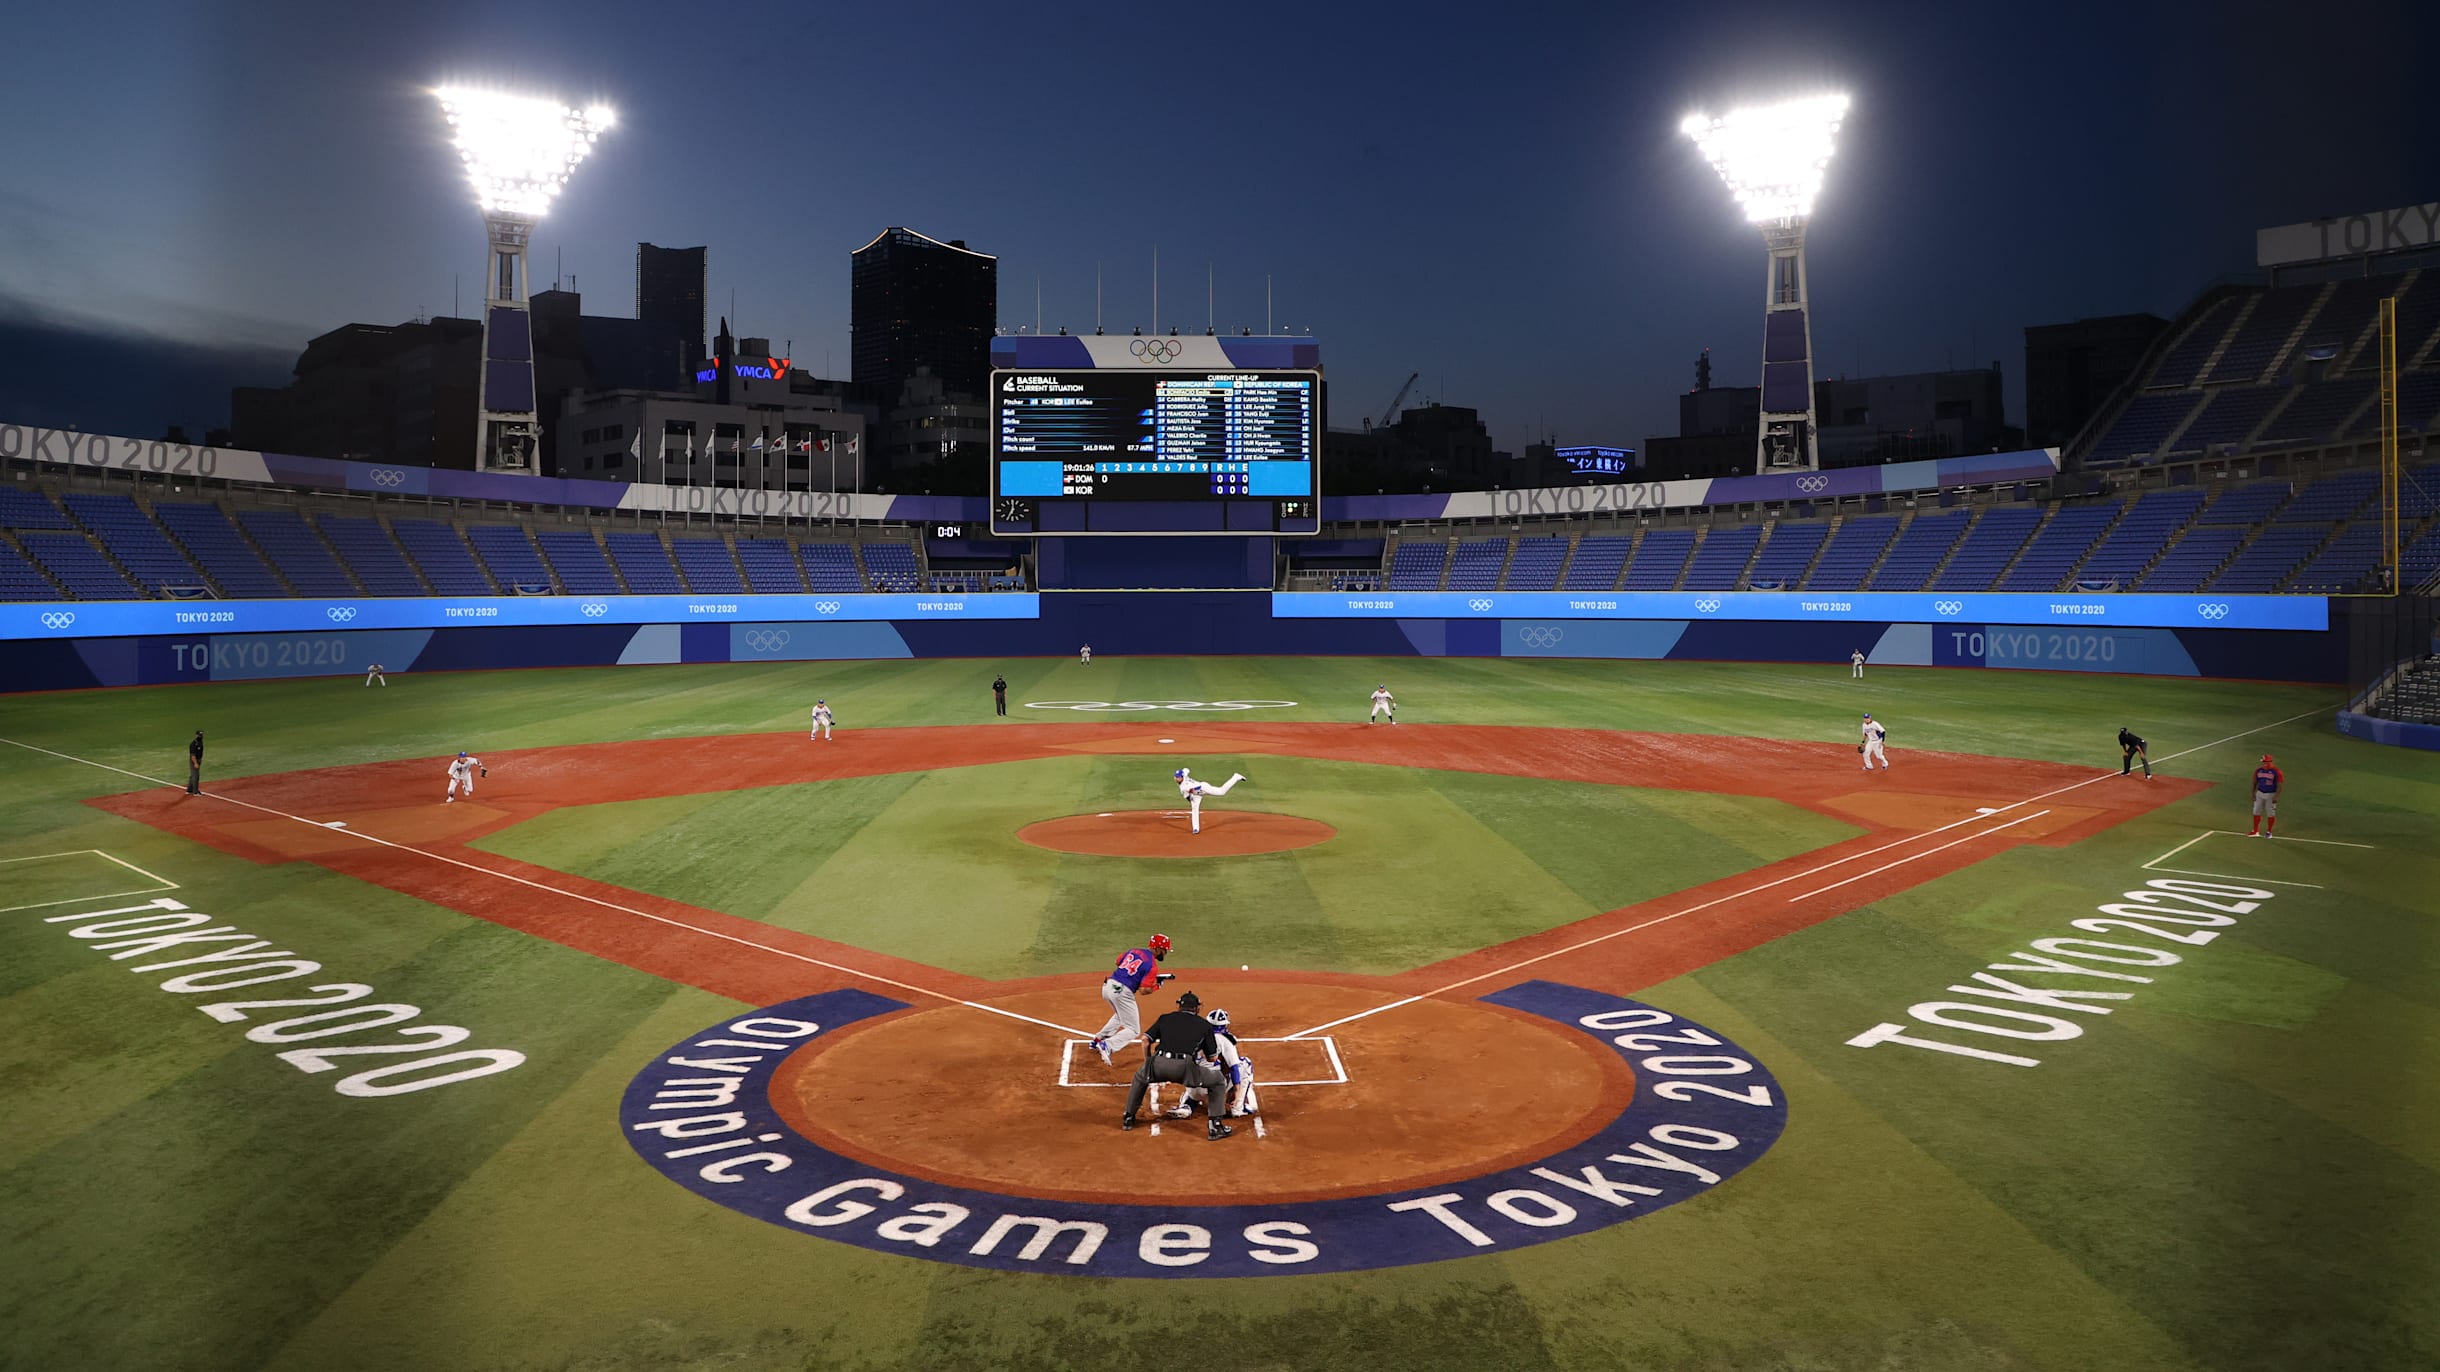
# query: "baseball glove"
486 771
1859 747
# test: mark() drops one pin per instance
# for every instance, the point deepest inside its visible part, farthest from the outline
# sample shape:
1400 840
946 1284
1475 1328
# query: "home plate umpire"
1178 1049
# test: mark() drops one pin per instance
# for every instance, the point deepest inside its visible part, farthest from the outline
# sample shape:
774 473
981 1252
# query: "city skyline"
1510 212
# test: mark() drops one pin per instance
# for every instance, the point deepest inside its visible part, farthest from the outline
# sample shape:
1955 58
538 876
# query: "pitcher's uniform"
1383 703
1194 791
1875 738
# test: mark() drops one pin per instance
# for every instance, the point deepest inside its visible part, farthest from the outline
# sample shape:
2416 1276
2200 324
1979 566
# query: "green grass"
2235 1170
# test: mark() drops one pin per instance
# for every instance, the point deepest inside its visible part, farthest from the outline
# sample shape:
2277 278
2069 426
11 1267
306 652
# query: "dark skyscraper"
920 302
669 292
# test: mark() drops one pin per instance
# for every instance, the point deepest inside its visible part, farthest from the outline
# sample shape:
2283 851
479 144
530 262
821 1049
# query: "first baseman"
462 771
1874 738
821 720
1383 703
1135 967
1193 791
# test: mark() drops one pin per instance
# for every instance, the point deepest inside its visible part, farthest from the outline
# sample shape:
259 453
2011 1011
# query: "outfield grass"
2234 1170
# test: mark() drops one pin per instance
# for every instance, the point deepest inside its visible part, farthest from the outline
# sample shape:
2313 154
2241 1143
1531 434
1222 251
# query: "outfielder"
1194 791
1235 1065
462 772
1875 737
1383 703
1135 967
1857 658
1086 653
373 676
821 720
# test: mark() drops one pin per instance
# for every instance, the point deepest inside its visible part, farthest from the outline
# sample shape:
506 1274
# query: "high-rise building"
919 302
669 292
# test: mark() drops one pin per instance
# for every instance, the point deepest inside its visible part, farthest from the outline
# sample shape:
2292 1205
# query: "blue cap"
1179 774
461 755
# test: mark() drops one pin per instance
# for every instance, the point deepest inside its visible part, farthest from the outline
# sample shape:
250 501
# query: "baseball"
1245 967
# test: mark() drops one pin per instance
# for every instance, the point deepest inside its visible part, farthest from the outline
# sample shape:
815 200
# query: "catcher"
462 772
1234 1065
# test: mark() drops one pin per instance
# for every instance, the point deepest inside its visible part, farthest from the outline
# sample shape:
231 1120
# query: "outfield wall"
133 643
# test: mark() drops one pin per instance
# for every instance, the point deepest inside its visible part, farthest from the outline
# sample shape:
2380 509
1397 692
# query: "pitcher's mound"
1163 833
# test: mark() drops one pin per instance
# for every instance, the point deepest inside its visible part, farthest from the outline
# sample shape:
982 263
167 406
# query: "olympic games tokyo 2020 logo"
1156 349
1541 635
765 640
1702 1109
1137 706
58 619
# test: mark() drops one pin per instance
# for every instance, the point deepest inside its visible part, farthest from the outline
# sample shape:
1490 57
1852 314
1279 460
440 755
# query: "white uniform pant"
1872 753
1194 800
821 729
375 679
456 781
1126 1016
1383 707
1241 1098
1859 671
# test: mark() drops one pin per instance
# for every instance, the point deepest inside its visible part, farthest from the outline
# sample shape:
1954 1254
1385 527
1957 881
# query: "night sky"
1495 196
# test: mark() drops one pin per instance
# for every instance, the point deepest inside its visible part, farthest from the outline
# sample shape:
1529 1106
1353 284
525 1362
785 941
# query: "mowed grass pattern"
2234 1169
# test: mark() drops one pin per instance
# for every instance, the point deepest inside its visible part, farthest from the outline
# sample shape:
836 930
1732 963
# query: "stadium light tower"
519 152
1773 158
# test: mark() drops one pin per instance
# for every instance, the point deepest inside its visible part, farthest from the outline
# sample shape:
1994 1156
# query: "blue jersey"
1134 969
2266 780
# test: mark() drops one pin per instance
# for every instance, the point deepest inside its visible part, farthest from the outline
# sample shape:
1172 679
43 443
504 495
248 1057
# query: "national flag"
855 442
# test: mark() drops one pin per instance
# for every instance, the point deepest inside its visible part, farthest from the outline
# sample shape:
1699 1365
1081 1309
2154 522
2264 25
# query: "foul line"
165 883
2155 864
1793 876
1901 862
572 895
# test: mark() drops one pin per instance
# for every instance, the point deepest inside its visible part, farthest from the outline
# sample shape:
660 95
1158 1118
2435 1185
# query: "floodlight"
1773 158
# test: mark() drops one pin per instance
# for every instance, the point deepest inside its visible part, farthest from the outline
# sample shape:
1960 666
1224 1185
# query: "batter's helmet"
1219 1019
1190 1001
1158 943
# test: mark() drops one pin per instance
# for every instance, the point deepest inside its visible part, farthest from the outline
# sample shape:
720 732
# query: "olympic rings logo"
766 640
827 607
1949 607
1156 349
1813 485
1478 605
58 619
340 613
2212 611
1139 706
387 476
593 609
1541 635
1706 605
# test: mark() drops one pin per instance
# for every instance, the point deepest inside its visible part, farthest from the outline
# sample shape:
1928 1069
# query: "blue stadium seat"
1852 550
2185 358
578 559
131 536
78 565
2344 564
2333 497
1996 537
2262 339
2058 546
508 552
297 552
644 564
1599 559
20 579
2142 427
2317 411
1536 564
1792 547
370 552
24 509
2226 418
2274 556
1476 565
770 566
2250 503
205 531
442 556
2193 559
1921 547
891 567
1660 558
1719 560
2151 522
830 568
1417 565
707 566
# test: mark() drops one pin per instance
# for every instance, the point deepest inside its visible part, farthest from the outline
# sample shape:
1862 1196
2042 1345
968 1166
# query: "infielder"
373 676
1383 703
1235 1065
821 720
1875 737
1193 791
462 772
1857 657
1135 967
2267 781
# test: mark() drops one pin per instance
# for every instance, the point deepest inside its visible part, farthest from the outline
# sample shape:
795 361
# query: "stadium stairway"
1598 562
2053 548
708 565
507 552
438 551
1786 554
21 577
296 551
372 554
1721 557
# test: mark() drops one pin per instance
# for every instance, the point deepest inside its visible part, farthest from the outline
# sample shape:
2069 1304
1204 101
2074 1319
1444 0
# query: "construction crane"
1391 411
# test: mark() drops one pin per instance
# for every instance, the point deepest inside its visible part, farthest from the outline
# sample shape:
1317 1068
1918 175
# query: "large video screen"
1110 451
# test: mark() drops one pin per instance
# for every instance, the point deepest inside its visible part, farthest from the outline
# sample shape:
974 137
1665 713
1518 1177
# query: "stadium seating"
1417 565
644 564
707 565
20 579
2141 430
442 556
508 553
1921 547
1536 564
2420 561
368 550
130 535
770 566
2058 546
23 509
830 568
2251 503
2194 559
1659 558
2333 497
1789 552
891 566
2155 518
2226 419
2343 564
2419 491
1719 560
205 531
2316 412
2185 358
2418 406
1995 538
2262 339
1476 565
297 551
1852 550
2275 555
76 564
1599 559
577 558
2348 314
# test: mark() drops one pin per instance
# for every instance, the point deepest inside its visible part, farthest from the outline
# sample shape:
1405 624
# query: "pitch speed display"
1141 451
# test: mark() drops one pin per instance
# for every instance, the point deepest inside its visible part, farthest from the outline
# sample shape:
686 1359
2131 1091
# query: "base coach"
1177 1049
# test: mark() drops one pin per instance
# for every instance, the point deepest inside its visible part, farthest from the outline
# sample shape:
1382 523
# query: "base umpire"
1175 1050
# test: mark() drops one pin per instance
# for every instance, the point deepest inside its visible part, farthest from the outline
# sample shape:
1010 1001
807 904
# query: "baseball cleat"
1102 1047
1181 1112
1218 1131
1126 1121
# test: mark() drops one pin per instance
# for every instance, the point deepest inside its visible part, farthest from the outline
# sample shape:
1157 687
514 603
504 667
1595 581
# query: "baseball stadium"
1968 912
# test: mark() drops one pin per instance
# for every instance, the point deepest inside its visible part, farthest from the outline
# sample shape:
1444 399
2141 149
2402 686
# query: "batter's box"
1277 1062
74 877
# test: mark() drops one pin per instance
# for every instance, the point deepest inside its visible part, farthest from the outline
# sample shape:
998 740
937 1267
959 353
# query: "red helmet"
1159 943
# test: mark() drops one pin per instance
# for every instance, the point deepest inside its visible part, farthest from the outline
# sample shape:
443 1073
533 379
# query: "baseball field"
1603 1015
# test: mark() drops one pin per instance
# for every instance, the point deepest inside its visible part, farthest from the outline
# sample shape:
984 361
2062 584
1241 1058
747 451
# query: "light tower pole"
518 153
1773 158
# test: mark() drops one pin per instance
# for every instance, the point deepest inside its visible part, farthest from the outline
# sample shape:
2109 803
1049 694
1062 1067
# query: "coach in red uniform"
2267 781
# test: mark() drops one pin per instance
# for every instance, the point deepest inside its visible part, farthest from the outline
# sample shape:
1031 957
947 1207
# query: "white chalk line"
1918 857
572 895
1329 1047
165 883
1793 876
2155 864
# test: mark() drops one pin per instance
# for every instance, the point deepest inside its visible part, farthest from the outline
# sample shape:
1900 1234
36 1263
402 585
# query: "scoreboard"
1194 450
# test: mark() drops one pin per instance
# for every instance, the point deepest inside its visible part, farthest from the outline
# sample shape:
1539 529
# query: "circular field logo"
761 1114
